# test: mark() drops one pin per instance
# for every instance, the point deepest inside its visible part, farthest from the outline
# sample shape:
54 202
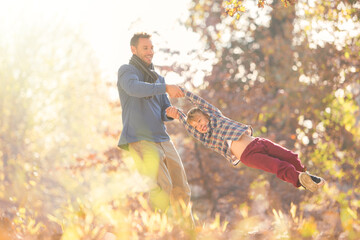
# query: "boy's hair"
193 112
135 39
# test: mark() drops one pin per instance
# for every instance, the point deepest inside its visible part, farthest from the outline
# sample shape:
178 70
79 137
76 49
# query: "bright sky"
109 24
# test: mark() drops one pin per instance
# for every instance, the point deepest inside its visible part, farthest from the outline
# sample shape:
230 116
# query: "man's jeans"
161 163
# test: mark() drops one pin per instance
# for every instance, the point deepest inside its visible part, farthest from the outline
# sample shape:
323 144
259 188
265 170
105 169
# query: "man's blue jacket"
143 107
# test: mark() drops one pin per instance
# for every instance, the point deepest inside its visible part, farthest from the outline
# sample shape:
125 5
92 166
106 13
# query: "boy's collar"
213 122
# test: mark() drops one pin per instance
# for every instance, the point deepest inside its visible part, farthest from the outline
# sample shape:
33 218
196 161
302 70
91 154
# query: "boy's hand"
172 112
174 91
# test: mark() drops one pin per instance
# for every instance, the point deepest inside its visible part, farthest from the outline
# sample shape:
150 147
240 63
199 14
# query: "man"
144 102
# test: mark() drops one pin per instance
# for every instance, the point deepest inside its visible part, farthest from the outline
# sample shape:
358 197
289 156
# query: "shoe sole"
308 183
321 183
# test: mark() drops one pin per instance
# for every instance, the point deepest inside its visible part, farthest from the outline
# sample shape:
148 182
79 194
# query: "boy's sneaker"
319 180
310 182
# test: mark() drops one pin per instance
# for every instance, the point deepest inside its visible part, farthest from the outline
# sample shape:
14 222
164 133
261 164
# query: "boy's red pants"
268 156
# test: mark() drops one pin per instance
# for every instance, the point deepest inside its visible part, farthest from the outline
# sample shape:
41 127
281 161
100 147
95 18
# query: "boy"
235 142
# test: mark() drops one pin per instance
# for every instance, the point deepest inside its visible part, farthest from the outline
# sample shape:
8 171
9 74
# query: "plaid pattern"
221 128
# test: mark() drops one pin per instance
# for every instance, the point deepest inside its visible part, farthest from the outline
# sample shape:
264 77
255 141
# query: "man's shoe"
309 182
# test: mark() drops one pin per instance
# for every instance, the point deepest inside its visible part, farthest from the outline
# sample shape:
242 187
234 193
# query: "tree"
51 107
271 70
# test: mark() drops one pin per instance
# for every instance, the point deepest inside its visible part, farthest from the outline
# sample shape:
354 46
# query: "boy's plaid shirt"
221 128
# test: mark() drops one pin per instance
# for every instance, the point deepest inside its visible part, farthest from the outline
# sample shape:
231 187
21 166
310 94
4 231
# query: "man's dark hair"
135 39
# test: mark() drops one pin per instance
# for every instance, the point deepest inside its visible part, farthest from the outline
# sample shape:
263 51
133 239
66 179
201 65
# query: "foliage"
49 85
236 7
293 87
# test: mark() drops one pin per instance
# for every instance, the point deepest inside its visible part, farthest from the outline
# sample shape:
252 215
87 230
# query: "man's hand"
172 112
174 91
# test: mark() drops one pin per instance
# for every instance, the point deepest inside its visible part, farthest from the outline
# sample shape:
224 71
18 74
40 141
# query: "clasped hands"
172 112
174 92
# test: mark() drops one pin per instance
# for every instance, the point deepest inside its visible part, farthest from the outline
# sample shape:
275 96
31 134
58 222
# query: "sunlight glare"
108 25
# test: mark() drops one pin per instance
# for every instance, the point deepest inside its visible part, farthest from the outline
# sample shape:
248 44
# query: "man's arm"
129 81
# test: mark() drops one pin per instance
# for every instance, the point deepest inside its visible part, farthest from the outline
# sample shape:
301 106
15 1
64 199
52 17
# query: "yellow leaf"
224 226
71 233
216 223
293 210
309 228
352 213
54 219
22 210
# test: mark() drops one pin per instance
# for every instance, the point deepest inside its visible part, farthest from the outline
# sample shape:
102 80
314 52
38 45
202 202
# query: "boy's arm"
201 103
188 127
